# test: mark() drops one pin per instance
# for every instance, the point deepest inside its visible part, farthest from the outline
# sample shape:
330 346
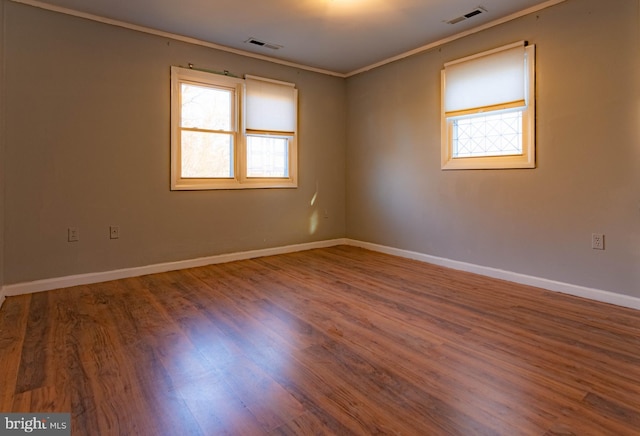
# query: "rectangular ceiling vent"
473 13
259 43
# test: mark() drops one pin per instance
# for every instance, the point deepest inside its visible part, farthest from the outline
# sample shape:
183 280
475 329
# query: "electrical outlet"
597 241
114 232
73 234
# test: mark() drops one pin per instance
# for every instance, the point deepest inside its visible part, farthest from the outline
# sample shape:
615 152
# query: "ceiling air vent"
473 13
259 43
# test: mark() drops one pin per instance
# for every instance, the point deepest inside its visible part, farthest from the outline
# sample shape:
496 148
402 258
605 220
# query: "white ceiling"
340 36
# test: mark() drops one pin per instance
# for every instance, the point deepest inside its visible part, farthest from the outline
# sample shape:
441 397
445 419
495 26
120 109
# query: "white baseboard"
85 279
551 285
2 296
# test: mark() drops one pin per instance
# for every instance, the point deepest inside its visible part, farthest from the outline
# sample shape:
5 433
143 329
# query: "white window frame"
524 160
239 180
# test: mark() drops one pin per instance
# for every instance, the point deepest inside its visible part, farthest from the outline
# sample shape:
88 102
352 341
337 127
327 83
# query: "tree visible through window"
207 137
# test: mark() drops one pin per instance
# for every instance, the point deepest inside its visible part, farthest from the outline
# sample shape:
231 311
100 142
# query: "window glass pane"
206 107
207 154
267 156
488 135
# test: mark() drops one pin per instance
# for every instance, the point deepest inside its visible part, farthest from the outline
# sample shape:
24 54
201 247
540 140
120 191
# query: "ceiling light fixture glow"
350 7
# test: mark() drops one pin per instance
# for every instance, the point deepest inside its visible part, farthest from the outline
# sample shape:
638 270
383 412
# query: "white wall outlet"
73 234
597 241
114 232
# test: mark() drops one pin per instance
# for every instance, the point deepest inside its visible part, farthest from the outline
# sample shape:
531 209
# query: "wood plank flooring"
331 341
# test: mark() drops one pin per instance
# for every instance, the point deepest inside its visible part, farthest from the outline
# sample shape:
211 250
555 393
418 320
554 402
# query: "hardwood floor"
330 341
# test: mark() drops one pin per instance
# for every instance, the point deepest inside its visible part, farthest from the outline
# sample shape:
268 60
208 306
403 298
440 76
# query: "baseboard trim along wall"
2 296
84 279
551 285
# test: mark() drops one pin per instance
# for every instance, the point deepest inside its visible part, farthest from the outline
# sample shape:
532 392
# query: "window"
231 133
488 109
270 127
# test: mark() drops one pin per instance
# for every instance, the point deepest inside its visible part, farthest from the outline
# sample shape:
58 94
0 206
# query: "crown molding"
195 41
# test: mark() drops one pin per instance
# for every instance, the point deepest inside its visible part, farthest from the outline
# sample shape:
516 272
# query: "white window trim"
240 180
525 160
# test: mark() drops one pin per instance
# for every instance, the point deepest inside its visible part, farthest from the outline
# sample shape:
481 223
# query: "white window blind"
271 105
488 81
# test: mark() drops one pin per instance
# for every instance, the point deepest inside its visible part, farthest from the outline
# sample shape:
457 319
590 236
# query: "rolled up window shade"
271 106
488 81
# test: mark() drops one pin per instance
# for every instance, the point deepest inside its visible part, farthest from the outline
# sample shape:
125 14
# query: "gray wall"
536 222
88 146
